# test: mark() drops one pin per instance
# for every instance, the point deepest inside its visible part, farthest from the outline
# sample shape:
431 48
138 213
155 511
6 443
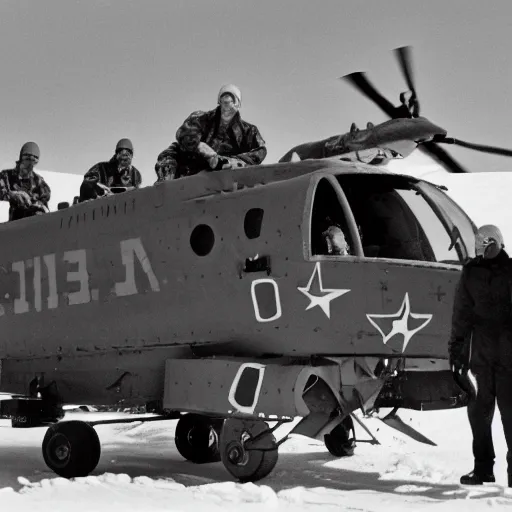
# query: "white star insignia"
399 322
321 296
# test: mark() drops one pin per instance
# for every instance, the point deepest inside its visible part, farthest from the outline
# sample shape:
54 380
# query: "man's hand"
233 163
104 189
165 169
463 375
227 162
20 198
208 154
459 361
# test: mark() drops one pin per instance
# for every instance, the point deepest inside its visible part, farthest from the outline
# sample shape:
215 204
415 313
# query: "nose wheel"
248 449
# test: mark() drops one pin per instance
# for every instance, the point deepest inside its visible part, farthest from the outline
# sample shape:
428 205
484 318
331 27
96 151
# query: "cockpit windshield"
399 218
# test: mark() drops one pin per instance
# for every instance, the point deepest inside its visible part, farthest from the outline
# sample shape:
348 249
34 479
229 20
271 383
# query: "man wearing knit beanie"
212 141
481 346
116 172
27 192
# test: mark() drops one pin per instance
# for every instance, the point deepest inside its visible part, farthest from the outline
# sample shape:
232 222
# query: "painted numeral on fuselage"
76 272
53 298
129 250
83 295
20 303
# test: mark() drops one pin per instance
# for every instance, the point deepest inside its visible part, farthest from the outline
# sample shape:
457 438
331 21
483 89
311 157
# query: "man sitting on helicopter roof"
117 172
213 140
27 192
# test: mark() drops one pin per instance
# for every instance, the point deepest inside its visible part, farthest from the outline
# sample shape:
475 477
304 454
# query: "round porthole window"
202 239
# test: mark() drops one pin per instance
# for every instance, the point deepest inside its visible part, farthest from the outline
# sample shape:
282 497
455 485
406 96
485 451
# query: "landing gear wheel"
339 442
248 449
71 448
197 438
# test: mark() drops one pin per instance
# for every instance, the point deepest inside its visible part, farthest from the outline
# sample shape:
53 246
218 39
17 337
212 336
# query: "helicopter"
214 300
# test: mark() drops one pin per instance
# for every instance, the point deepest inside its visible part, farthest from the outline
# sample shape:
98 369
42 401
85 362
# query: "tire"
245 461
197 438
339 442
71 449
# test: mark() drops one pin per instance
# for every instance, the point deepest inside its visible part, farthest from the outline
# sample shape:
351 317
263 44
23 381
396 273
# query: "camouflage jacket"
108 174
240 140
34 185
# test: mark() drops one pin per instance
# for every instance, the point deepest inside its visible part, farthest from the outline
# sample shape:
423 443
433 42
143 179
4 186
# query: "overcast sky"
76 76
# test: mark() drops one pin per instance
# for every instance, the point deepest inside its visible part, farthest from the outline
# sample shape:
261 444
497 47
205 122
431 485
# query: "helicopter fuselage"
220 264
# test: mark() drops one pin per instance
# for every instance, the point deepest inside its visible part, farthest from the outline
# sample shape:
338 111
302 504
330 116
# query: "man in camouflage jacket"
213 140
27 192
117 172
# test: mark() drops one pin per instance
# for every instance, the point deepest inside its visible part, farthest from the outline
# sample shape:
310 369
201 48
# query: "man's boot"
477 478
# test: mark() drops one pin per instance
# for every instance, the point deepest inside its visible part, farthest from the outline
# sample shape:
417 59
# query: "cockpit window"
329 229
461 227
396 220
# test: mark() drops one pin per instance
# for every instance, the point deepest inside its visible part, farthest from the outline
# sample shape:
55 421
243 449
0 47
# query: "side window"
440 242
396 221
461 227
252 223
329 229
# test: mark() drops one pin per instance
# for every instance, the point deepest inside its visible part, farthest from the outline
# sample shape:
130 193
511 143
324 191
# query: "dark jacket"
482 313
107 173
241 140
34 185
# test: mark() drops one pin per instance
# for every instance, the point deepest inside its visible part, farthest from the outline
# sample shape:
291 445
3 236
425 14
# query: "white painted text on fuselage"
37 285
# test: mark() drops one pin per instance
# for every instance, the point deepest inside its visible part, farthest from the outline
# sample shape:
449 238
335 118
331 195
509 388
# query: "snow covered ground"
140 469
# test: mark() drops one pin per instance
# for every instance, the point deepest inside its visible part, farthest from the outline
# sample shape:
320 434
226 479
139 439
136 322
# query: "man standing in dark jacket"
27 192
117 172
213 140
481 342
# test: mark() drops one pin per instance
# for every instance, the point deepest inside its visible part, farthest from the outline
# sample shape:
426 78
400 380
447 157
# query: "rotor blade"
442 157
404 58
477 147
363 85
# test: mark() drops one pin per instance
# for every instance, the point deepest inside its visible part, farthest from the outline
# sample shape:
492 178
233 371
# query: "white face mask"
228 106
486 246
28 161
124 158
488 241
